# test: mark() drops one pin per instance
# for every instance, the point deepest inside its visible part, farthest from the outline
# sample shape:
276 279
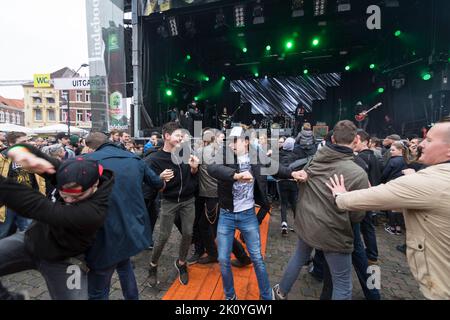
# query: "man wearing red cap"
63 230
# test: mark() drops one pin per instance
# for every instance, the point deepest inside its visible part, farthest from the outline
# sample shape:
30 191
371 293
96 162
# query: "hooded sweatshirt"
319 222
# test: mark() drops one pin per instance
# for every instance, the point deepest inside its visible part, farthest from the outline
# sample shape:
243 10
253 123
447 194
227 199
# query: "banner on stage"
152 6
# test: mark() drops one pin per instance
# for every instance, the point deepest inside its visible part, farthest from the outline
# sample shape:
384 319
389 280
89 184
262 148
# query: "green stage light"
347 68
397 33
289 45
426 76
196 98
372 66
206 78
256 74
268 48
305 71
315 42
223 78
188 57
244 50
169 92
380 90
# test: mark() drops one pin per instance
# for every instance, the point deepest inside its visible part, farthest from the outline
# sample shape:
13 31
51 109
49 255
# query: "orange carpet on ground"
205 282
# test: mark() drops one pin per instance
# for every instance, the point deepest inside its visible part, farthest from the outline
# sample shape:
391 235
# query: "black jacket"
372 167
393 169
60 231
225 172
183 184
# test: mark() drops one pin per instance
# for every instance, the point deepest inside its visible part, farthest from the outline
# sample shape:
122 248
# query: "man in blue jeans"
241 186
319 223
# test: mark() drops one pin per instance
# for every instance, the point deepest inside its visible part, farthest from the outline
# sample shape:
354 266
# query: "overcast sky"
40 36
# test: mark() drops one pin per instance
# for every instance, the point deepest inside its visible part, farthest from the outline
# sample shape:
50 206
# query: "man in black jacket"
55 243
372 168
242 185
177 198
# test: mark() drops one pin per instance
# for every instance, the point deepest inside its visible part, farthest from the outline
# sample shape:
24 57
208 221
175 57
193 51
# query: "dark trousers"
360 263
205 225
369 236
395 219
288 196
153 207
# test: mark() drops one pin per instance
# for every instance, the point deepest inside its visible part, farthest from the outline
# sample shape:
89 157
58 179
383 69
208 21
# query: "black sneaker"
241 263
182 273
152 276
207 259
389 230
276 294
193 259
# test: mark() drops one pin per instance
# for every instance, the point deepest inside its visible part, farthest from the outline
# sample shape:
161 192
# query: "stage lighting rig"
239 16
319 7
258 13
343 5
298 8
173 26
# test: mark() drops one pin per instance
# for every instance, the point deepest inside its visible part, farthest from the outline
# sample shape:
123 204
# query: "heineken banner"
107 64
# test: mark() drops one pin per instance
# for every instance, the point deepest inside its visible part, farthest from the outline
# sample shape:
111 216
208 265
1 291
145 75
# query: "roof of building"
15 103
61 73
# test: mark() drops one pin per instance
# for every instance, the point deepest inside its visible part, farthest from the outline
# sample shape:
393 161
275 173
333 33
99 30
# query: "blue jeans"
369 235
63 282
99 281
13 221
340 266
247 223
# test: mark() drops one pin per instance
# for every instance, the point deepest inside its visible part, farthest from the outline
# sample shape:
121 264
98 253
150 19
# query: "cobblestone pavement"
396 279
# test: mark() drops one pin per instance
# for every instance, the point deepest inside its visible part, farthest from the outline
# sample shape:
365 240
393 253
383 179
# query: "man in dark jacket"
319 223
242 185
126 231
61 232
177 198
372 168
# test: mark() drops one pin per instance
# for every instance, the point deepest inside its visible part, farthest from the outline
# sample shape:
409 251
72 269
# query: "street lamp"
68 99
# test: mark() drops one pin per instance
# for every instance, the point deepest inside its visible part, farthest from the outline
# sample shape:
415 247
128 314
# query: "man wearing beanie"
62 231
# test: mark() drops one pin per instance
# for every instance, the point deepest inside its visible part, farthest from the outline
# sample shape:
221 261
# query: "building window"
88 96
37 100
7 119
13 118
18 120
37 115
51 100
51 115
88 116
64 95
2 116
80 115
64 116
79 95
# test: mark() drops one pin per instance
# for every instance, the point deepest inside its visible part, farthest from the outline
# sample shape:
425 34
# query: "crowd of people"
93 202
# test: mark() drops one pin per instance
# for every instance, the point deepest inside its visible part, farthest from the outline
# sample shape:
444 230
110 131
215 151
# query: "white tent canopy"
57 128
9 127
